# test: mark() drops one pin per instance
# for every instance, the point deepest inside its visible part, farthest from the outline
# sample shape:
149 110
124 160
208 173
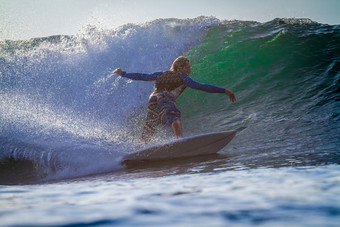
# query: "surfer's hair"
179 63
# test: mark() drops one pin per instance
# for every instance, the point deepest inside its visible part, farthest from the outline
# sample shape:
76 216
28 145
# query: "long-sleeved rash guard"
186 82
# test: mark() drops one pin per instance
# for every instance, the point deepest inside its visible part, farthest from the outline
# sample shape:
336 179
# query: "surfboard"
204 144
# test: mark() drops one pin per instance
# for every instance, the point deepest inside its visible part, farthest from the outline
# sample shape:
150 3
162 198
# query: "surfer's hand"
231 95
118 71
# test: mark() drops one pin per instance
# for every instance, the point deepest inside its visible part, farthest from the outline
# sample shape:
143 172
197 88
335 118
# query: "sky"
24 19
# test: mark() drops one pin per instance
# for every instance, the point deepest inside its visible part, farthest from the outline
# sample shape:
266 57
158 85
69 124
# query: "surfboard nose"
222 135
230 134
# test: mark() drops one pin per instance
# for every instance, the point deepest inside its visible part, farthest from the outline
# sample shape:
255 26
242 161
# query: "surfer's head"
181 65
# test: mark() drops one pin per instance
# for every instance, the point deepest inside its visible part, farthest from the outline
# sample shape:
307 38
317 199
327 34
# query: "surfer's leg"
147 133
149 129
171 116
151 122
176 127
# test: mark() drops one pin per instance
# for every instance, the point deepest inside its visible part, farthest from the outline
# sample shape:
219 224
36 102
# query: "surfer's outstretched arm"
138 76
207 87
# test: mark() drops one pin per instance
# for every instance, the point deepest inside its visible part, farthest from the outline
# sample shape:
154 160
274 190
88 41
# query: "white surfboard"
184 147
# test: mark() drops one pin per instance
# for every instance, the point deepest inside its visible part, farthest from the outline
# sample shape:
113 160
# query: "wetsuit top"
174 83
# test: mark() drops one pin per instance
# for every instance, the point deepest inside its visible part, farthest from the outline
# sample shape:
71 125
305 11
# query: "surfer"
162 108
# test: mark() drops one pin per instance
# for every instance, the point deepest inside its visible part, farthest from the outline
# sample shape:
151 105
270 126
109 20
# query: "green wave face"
276 63
285 75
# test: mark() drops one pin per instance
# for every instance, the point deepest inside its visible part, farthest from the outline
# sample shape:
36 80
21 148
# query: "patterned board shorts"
162 109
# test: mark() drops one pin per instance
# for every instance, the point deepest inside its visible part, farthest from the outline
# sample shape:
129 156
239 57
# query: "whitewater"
66 122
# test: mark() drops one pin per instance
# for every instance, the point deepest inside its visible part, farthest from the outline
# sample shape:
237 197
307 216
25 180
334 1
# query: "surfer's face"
186 69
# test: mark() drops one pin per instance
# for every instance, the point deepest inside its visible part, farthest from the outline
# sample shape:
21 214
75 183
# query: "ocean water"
66 123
